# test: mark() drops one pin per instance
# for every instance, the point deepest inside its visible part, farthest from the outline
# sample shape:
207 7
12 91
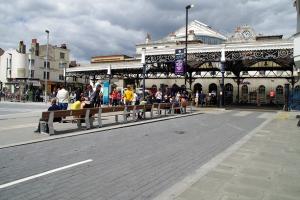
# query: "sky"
105 27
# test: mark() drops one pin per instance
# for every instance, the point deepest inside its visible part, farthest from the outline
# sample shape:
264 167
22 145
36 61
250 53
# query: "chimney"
148 38
22 47
172 36
35 48
63 46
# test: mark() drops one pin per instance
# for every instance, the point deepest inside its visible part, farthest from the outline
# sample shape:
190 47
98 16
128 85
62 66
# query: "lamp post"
223 60
46 71
143 61
186 43
109 77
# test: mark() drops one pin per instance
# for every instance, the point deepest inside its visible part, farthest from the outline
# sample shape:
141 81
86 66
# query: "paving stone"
244 191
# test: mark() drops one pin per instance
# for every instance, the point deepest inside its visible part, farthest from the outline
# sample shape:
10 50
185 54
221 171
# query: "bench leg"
51 128
79 124
117 118
88 123
99 120
125 118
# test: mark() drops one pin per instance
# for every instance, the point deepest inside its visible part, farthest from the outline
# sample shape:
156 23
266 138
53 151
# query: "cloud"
102 27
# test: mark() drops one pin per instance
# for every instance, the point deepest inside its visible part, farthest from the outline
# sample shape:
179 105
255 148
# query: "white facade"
13 68
297 38
20 69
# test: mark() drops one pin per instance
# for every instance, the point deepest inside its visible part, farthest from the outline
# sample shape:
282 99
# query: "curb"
97 130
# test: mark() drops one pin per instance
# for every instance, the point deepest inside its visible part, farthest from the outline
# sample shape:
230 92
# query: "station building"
255 67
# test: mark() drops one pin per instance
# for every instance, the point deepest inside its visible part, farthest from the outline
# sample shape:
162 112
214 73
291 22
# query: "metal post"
46 71
222 84
238 92
186 48
186 37
286 95
65 76
143 61
144 81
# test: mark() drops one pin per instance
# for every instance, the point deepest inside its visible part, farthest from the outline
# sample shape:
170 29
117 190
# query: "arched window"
212 88
279 90
197 87
229 87
262 90
244 90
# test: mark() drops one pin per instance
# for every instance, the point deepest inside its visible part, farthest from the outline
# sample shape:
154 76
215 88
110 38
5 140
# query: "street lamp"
143 61
109 77
223 60
46 71
186 43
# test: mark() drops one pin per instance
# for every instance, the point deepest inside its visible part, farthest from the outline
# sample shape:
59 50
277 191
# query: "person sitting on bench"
53 107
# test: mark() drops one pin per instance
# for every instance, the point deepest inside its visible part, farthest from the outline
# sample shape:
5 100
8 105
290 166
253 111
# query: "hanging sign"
179 62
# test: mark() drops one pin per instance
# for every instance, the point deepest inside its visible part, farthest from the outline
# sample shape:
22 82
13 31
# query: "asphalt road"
7 108
136 162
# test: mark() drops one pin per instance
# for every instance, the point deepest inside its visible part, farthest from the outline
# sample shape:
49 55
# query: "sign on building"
179 62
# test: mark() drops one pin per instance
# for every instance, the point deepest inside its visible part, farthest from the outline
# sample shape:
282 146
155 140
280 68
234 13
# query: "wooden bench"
88 115
78 116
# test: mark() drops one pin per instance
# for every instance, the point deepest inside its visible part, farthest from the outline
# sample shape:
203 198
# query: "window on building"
62 65
31 62
61 77
31 73
245 73
47 65
62 55
228 72
48 75
74 78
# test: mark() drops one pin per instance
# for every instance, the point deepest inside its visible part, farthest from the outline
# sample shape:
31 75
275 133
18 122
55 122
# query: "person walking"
95 96
114 97
202 99
128 96
63 98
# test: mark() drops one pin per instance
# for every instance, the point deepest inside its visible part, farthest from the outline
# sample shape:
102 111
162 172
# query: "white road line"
242 113
43 174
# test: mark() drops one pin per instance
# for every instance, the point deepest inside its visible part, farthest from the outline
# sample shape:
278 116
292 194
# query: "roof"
198 28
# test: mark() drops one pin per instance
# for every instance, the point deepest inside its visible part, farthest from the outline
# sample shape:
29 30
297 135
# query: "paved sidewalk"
266 167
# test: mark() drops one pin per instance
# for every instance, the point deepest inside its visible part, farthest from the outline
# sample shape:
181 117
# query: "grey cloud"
91 27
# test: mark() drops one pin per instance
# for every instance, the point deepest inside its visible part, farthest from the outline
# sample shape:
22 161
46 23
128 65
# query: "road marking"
235 127
266 115
42 174
242 113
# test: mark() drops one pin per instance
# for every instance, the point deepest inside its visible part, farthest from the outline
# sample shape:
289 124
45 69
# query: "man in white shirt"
63 98
158 96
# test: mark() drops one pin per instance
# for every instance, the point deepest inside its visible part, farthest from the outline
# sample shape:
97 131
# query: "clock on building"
247 34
